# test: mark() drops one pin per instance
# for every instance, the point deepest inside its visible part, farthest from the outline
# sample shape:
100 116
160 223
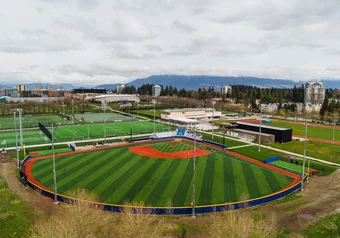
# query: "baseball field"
160 174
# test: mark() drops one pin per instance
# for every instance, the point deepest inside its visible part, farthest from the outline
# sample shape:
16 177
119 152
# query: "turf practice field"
119 175
313 131
31 121
81 132
100 117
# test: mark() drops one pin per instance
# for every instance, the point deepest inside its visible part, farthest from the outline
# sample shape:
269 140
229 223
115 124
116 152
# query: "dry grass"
241 224
84 220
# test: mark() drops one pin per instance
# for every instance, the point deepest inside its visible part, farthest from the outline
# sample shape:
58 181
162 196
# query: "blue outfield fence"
176 210
168 210
272 159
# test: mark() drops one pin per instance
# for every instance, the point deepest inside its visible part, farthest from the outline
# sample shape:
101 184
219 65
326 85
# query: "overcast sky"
115 41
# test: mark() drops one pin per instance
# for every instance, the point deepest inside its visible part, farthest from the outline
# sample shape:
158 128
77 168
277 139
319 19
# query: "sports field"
31 121
119 175
100 117
313 130
81 132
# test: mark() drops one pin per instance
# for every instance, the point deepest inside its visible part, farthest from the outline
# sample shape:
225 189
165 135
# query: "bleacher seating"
180 132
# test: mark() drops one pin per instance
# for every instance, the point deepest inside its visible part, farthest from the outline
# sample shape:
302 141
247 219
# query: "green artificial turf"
313 131
319 150
119 176
79 132
31 121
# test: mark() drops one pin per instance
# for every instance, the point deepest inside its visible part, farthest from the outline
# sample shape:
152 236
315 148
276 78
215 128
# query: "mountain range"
192 82
195 82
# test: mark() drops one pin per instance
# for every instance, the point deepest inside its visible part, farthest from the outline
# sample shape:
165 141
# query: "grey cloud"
37 41
216 46
88 5
179 26
154 48
276 15
121 28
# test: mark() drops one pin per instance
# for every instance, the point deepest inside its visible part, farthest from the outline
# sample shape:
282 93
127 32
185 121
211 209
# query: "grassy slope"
328 226
119 176
15 216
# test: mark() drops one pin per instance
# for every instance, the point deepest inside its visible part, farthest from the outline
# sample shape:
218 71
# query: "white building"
226 89
22 88
115 98
314 93
190 113
156 90
120 88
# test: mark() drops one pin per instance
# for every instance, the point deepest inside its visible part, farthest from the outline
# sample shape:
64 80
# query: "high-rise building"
314 93
22 88
156 90
226 89
120 88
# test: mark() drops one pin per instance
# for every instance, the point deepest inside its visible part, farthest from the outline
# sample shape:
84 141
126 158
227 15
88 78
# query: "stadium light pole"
154 117
72 109
54 170
260 128
194 179
213 103
63 106
304 156
333 130
16 141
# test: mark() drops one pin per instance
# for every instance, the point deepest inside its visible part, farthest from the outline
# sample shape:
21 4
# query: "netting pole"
304 156
16 141
54 171
194 180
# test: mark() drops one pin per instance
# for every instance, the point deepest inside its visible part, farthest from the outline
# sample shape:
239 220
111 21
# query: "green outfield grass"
288 166
79 132
31 121
118 176
316 132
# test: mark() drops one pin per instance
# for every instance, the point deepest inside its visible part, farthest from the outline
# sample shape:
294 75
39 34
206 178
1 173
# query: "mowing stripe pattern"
117 176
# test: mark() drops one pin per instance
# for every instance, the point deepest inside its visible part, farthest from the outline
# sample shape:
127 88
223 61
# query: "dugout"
282 135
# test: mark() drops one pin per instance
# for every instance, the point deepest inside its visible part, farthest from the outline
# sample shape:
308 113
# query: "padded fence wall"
174 210
272 159
178 210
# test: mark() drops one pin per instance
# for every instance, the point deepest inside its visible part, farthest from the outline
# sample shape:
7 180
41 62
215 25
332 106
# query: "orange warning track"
151 152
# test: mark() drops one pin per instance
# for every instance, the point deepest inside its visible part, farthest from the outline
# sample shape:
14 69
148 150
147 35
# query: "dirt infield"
150 152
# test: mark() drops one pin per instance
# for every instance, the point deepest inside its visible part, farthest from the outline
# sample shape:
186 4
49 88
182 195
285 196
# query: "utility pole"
334 120
154 117
63 106
72 109
16 141
213 103
304 156
20 126
54 169
194 180
260 128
